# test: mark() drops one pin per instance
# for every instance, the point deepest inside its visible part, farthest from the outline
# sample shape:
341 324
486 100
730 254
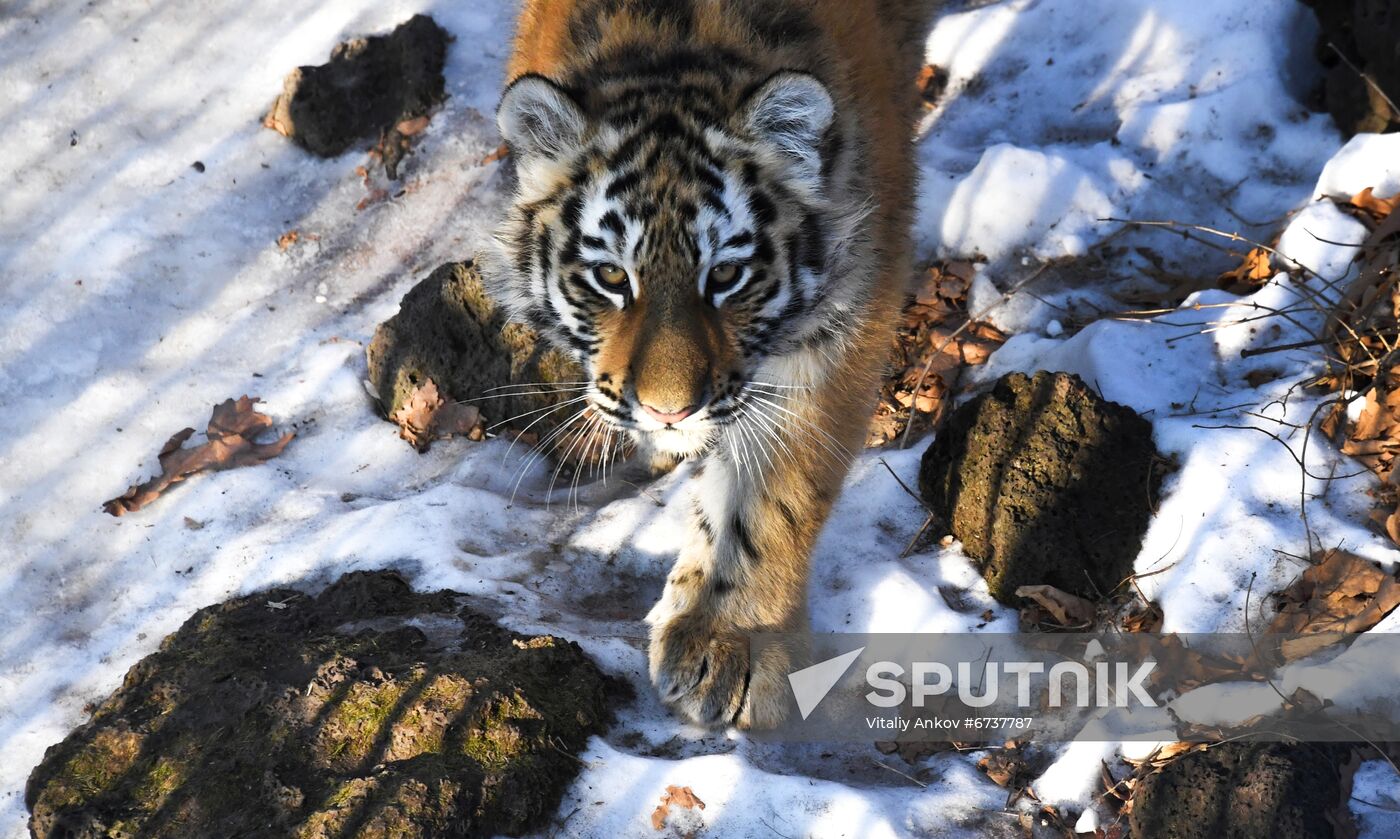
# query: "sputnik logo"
810 685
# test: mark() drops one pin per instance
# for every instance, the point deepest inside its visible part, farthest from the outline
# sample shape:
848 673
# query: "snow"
136 292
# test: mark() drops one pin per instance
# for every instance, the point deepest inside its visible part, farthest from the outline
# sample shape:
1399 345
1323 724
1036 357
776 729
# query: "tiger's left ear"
539 119
792 111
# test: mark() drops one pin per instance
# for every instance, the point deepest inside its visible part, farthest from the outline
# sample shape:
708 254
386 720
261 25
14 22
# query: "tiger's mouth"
746 410
682 433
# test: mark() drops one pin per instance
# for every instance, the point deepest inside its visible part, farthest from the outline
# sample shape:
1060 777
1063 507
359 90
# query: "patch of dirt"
378 86
368 710
1045 483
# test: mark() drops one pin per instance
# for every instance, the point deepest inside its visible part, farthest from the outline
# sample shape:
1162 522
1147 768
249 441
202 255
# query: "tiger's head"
672 243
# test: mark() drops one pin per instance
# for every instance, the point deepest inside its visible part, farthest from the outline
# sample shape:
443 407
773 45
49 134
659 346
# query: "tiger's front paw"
702 668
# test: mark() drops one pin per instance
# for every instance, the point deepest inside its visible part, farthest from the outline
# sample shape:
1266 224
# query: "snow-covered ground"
137 291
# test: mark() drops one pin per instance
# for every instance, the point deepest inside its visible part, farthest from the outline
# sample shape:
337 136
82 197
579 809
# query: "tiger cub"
712 213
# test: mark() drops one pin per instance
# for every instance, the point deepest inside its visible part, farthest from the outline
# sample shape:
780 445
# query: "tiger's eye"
611 277
723 277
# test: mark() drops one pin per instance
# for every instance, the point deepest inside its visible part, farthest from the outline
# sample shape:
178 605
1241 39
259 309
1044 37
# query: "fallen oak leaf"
415 417
1066 609
1342 593
1378 207
681 797
412 127
425 416
231 431
501 153
931 82
1254 271
1149 619
1004 767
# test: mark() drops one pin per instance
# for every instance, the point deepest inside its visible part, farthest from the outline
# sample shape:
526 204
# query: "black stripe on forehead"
612 222
591 16
643 61
633 102
777 24
623 183
664 131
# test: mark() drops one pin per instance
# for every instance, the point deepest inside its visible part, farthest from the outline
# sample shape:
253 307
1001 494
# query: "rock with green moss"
449 331
366 711
1045 483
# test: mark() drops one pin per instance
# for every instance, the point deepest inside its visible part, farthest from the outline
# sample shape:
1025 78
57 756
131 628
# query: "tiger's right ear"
538 118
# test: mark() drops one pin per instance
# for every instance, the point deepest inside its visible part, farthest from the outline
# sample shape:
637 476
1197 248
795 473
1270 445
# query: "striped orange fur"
712 213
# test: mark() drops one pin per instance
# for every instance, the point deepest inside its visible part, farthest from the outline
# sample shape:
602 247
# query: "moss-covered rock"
1045 483
367 711
1245 790
448 330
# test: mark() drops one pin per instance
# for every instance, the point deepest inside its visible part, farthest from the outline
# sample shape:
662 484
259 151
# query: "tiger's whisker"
518 385
540 451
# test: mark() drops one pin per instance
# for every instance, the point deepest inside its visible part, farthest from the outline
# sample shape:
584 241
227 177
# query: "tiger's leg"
760 500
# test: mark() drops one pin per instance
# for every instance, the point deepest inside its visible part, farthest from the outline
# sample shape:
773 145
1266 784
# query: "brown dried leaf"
425 416
501 153
674 796
1066 609
1005 767
1342 593
931 82
1163 755
1149 619
232 429
412 127
1250 274
1377 207
1189 667
1391 524
286 240
931 349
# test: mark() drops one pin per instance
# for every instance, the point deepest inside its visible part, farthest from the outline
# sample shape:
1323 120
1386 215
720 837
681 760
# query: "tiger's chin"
677 443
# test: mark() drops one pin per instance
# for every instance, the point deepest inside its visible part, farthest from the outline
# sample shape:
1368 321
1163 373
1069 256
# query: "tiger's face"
673 252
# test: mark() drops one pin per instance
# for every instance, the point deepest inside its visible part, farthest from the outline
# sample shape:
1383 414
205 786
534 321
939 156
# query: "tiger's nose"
668 417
